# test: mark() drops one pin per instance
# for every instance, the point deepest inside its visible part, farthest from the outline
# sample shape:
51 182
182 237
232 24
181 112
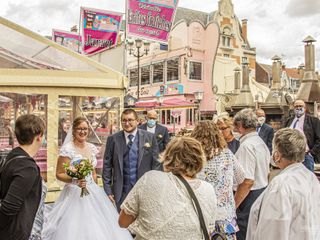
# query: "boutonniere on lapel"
147 145
160 136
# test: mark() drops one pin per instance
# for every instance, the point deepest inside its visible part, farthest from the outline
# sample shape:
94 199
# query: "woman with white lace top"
222 171
80 218
159 206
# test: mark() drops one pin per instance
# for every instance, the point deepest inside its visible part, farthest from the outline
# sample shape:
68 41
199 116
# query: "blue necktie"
130 141
295 123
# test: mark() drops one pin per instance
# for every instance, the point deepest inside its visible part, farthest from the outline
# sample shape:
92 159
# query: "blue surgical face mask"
151 123
299 112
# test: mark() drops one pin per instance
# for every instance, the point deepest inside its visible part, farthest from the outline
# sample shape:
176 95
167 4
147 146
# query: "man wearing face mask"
264 130
309 126
161 132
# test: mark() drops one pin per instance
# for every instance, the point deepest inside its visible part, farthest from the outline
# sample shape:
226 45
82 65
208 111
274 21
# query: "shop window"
195 70
102 114
158 70
133 75
145 75
167 119
173 70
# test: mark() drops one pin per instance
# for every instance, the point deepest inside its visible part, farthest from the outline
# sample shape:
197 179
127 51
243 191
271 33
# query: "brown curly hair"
183 155
208 133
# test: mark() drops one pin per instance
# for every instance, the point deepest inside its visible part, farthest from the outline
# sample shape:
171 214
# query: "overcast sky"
274 26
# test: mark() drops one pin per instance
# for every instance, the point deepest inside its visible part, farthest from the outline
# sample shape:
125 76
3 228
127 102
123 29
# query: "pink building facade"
169 78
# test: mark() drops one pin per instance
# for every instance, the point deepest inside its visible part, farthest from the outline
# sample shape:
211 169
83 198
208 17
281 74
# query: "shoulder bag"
216 236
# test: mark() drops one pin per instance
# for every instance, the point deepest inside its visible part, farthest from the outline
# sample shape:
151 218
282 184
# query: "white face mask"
261 120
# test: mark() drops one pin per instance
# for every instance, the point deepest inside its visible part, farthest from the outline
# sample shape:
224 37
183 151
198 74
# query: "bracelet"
74 181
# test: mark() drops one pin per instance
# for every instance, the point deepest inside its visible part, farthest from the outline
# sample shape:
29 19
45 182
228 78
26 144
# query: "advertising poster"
150 19
99 29
70 40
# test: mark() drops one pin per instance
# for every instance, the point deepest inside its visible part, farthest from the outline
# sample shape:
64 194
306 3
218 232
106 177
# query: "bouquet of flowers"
79 169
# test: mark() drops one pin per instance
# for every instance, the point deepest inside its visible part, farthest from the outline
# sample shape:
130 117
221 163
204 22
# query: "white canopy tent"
33 64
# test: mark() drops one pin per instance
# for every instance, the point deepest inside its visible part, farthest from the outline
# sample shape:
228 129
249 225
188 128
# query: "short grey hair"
291 144
152 111
247 118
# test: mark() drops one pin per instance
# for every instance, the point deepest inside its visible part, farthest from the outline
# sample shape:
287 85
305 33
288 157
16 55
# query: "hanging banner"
70 40
99 29
150 19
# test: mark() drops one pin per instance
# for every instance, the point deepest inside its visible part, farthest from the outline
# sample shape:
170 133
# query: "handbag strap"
196 202
6 161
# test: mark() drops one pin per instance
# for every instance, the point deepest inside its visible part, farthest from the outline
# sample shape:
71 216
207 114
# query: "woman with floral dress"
222 171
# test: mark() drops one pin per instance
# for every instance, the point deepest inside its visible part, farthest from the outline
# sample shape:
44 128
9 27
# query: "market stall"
41 77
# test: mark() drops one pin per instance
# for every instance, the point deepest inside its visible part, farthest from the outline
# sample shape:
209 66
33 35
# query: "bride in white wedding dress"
92 217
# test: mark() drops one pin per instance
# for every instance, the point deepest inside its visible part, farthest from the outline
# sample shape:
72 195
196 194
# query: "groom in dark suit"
129 154
161 132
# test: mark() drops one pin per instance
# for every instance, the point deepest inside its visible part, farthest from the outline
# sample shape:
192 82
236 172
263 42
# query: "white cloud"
274 26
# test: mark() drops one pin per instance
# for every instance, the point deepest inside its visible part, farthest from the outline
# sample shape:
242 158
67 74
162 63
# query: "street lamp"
136 52
198 96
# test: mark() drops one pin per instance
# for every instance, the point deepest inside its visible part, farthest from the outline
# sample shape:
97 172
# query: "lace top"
222 172
70 151
164 209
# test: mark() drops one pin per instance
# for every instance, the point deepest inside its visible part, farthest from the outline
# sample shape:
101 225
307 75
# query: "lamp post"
136 51
198 96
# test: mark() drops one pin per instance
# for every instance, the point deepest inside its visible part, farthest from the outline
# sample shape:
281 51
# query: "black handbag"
215 236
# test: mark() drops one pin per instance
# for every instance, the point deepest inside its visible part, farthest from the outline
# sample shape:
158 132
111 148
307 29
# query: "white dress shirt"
254 156
126 135
299 126
289 207
152 130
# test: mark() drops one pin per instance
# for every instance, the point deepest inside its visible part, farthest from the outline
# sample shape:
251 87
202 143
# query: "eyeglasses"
298 106
82 129
128 121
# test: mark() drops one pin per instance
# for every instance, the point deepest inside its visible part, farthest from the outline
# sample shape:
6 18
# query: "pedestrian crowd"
212 182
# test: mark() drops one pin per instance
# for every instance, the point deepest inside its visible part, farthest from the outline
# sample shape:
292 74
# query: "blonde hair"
183 155
209 135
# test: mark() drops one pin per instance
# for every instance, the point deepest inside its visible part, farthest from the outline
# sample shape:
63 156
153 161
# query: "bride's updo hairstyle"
76 122
183 155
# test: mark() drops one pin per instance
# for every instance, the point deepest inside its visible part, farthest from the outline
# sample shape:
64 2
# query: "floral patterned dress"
224 171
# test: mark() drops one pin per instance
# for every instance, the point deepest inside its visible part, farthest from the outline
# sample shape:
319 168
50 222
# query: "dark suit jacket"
266 133
162 135
21 194
113 160
311 129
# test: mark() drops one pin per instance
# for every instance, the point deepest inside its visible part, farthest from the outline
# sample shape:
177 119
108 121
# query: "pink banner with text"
99 29
150 19
68 39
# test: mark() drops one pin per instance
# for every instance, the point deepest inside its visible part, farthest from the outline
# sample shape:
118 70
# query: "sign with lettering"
99 29
70 40
150 19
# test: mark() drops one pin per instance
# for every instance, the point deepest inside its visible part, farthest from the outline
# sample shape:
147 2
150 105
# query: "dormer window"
226 37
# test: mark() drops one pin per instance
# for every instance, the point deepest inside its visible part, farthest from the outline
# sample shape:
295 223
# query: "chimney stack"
244 99
276 72
245 29
309 90
237 79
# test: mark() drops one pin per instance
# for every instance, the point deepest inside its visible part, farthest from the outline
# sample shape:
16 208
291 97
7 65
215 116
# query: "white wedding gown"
92 217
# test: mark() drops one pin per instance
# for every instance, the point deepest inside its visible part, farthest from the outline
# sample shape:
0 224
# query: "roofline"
55 45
